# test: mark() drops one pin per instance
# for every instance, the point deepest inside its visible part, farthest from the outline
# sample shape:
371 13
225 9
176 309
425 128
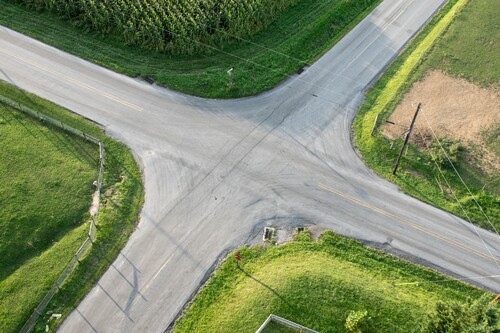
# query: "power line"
288 75
303 17
456 199
307 82
458 174
256 63
299 78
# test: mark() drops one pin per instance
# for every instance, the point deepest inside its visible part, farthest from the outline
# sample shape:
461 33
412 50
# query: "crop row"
178 26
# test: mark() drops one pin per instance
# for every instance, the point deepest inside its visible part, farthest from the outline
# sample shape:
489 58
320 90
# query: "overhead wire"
457 200
133 60
287 75
456 171
463 209
301 79
290 75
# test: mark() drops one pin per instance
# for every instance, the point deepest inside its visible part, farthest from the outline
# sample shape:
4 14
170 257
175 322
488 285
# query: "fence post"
37 312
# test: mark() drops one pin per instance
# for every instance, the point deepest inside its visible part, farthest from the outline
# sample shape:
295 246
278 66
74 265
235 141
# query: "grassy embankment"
458 41
317 284
296 38
45 194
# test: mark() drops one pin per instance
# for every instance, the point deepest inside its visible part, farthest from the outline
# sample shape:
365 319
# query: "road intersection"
217 171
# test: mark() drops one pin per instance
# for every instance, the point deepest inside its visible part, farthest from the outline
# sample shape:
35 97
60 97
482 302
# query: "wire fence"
30 323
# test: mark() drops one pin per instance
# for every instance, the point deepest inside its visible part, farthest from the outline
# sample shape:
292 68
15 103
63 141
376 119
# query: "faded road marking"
411 224
67 78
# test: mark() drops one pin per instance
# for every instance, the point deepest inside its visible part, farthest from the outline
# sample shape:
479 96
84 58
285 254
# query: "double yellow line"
489 257
70 79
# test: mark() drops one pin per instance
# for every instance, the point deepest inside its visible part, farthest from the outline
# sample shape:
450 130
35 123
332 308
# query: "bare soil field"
451 108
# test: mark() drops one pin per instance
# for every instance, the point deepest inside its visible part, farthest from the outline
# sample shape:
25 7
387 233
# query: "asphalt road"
217 172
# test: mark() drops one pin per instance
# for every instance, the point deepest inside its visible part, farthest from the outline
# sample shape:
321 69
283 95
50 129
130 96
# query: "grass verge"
418 174
47 193
317 284
296 38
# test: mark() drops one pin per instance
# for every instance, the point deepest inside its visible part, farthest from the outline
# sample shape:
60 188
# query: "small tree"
469 317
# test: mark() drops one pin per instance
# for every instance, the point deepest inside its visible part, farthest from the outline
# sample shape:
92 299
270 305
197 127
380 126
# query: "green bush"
445 151
472 316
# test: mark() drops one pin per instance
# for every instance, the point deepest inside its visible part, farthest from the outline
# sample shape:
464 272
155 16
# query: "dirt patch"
95 204
454 108
451 108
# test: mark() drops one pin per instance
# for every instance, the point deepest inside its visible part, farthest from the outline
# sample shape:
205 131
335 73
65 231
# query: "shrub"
448 149
471 316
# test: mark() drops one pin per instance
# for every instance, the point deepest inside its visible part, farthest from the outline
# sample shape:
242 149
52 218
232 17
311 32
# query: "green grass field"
296 38
467 49
46 189
317 284
46 178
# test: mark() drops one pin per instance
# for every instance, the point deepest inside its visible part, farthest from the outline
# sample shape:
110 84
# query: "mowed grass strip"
457 40
317 284
46 192
46 178
295 39
469 49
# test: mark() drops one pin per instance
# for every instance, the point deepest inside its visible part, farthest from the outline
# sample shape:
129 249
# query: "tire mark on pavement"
394 217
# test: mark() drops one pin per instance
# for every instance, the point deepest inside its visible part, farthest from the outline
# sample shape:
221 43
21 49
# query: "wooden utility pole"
406 139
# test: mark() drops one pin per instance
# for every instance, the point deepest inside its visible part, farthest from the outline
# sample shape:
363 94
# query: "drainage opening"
148 79
268 234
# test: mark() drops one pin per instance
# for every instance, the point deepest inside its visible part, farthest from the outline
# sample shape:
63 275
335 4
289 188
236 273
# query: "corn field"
178 26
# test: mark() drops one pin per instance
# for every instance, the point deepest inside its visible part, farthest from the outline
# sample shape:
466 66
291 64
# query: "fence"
284 322
30 323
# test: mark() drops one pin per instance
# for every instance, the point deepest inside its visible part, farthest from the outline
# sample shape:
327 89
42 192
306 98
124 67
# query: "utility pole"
406 139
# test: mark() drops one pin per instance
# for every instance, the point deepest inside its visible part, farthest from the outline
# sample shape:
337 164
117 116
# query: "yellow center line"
150 281
79 83
411 224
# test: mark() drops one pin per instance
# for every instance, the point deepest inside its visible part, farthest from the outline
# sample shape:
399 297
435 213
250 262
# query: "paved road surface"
216 172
